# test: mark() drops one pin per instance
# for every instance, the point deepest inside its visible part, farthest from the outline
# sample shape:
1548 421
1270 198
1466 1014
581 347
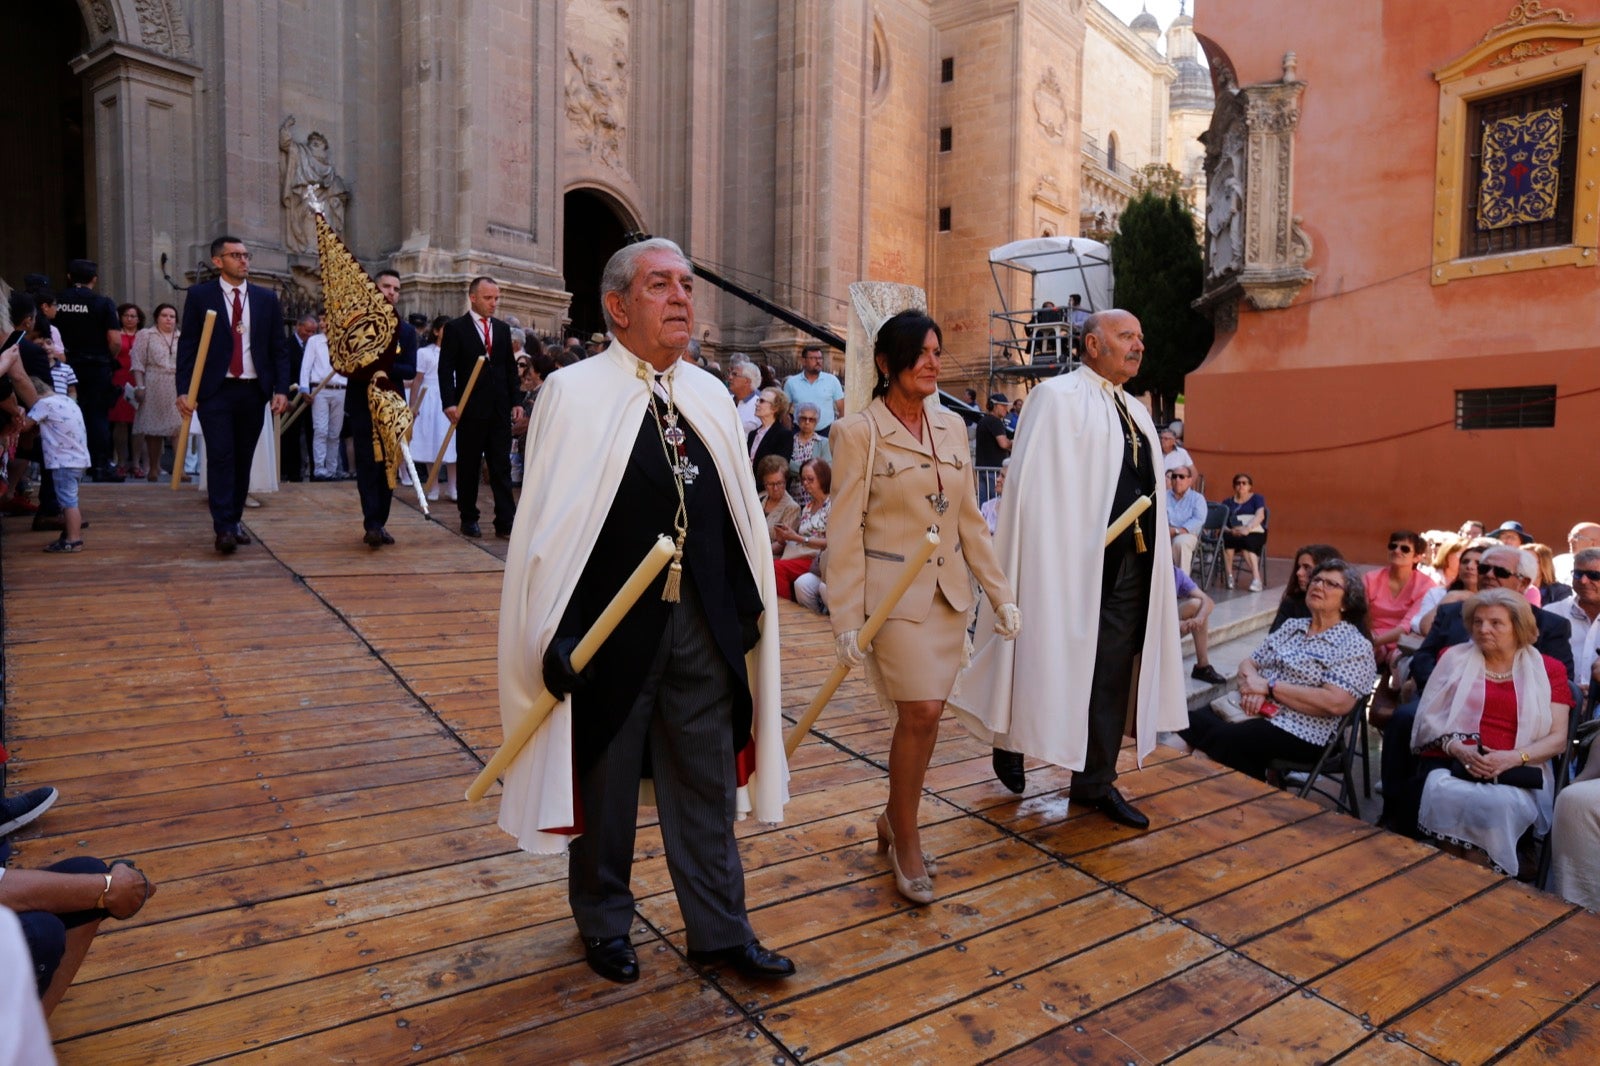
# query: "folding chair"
1338 756
1208 550
1239 563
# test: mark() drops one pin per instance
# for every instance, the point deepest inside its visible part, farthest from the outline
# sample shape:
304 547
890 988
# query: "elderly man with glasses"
1186 515
1505 568
1582 612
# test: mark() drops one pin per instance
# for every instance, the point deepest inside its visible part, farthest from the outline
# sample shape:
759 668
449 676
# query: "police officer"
89 331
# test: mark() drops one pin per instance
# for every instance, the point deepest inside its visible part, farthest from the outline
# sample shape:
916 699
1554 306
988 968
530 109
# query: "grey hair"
519 337
1587 558
623 267
1527 562
801 409
751 373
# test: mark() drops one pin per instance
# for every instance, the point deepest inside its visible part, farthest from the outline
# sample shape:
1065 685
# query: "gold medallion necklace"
674 445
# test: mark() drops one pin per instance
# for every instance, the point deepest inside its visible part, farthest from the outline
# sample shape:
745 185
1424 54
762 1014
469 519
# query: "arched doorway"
595 228
42 173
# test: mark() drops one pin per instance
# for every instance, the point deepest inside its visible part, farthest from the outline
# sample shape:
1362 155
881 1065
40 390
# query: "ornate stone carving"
101 18
1523 14
310 184
1520 51
1050 106
162 28
1256 248
597 103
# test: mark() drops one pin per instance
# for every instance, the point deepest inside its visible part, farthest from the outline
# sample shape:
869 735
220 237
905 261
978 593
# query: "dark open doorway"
595 229
42 172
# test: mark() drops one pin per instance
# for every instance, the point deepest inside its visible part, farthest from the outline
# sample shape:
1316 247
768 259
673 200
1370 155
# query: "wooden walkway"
281 739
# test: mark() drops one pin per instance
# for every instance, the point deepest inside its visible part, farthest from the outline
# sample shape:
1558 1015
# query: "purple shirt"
1186 585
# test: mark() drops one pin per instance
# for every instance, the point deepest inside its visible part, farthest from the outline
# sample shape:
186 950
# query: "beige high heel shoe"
917 890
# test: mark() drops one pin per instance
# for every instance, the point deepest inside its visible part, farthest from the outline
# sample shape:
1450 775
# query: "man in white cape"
680 706
1101 644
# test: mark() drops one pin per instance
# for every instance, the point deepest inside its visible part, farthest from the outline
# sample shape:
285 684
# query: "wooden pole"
908 574
194 397
1127 518
287 422
653 563
461 407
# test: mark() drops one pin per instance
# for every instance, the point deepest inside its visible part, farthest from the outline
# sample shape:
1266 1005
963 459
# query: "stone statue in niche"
596 105
1225 208
310 184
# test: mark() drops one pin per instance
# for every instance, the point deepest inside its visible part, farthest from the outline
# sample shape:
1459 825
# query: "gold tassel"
673 589
1139 546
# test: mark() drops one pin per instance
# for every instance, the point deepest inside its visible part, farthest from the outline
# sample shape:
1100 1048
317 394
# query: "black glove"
750 631
559 676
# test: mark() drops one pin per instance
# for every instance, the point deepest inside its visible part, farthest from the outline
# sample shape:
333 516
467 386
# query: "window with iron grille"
1523 407
1478 238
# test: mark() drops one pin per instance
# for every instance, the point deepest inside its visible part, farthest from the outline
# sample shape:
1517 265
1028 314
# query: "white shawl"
1452 704
579 438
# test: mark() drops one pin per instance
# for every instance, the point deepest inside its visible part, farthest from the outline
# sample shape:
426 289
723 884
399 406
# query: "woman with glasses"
1293 604
770 437
1296 686
1246 530
1394 593
808 445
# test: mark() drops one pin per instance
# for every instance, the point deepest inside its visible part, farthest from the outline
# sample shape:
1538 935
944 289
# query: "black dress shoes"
749 960
1008 768
1208 674
240 536
373 539
227 543
1119 810
611 957
471 529
503 534
383 534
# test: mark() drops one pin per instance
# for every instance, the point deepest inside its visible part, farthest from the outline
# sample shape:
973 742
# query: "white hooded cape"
1032 695
579 438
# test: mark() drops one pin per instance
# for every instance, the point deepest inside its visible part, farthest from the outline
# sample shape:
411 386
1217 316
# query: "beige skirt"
919 660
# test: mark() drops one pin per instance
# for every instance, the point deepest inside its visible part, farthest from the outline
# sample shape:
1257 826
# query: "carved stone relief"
1526 13
310 185
597 80
1050 106
162 28
100 17
1256 248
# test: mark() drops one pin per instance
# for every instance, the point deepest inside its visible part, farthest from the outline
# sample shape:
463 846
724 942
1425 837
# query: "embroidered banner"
1521 155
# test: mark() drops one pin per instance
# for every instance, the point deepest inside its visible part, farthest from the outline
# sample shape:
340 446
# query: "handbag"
1531 777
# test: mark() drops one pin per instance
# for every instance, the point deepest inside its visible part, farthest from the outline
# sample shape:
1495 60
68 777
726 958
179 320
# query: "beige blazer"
865 557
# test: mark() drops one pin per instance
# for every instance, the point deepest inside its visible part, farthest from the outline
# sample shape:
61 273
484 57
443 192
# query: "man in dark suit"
1498 568
372 476
247 367
483 427
295 444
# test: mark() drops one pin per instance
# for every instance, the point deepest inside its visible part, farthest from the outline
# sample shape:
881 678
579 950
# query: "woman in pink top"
1393 594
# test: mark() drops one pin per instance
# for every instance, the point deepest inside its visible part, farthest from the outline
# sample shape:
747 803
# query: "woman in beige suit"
920 478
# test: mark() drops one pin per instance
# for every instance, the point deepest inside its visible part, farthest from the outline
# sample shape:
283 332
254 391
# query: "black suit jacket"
269 343
1449 629
460 345
778 441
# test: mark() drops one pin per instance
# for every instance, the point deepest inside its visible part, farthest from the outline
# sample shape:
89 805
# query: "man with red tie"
246 367
483 426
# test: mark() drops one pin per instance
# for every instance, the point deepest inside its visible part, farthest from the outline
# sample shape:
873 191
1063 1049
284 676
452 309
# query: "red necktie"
486 341
236 365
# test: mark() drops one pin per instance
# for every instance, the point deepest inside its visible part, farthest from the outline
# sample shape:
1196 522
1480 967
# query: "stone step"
1237 626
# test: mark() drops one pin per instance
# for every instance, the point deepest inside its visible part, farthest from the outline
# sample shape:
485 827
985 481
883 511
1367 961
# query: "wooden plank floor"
281 739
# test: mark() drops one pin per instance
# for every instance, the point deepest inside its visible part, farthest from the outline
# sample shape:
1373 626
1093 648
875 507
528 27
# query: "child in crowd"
62 379
66 454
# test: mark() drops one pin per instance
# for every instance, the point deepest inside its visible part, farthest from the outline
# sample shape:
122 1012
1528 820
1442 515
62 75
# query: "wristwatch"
1272 691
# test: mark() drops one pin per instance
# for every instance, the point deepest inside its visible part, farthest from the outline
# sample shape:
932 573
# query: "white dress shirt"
244 322
316 365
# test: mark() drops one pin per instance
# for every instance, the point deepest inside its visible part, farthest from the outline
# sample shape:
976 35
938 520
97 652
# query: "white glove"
1008 621
849 652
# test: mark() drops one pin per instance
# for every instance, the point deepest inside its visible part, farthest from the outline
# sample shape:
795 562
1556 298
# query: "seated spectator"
1173 454
1393 593
22 809
1443 560
1464 585
772 474
1186 514
1582 612
809 535
1550 590
1471 529
24 1037
1194 611
1295 687
1493 705
808 445
990 508
1047 321
1498 567
1512 535
811 587
1293 604
1575 837
1246 530
770 437
1581 536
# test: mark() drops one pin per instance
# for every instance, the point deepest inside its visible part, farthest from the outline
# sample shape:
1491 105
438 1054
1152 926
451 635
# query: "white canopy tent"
1060 267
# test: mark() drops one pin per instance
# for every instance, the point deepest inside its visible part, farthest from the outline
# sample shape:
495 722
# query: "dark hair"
123 309
1354 610
1320 553
823 471
156 314
389 272
222 242
1247 477
541 362
1415 539
82 271
479 280
899 341
21 306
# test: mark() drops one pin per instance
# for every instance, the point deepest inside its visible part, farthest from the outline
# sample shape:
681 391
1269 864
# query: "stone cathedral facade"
793 146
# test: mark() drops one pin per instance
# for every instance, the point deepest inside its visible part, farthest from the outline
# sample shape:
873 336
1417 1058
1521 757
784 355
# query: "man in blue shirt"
815 385
1186 514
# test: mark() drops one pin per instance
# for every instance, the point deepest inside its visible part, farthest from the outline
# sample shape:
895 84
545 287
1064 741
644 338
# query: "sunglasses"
1484 570
808 418
1400 546
1586 575
1177 477
1236 484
